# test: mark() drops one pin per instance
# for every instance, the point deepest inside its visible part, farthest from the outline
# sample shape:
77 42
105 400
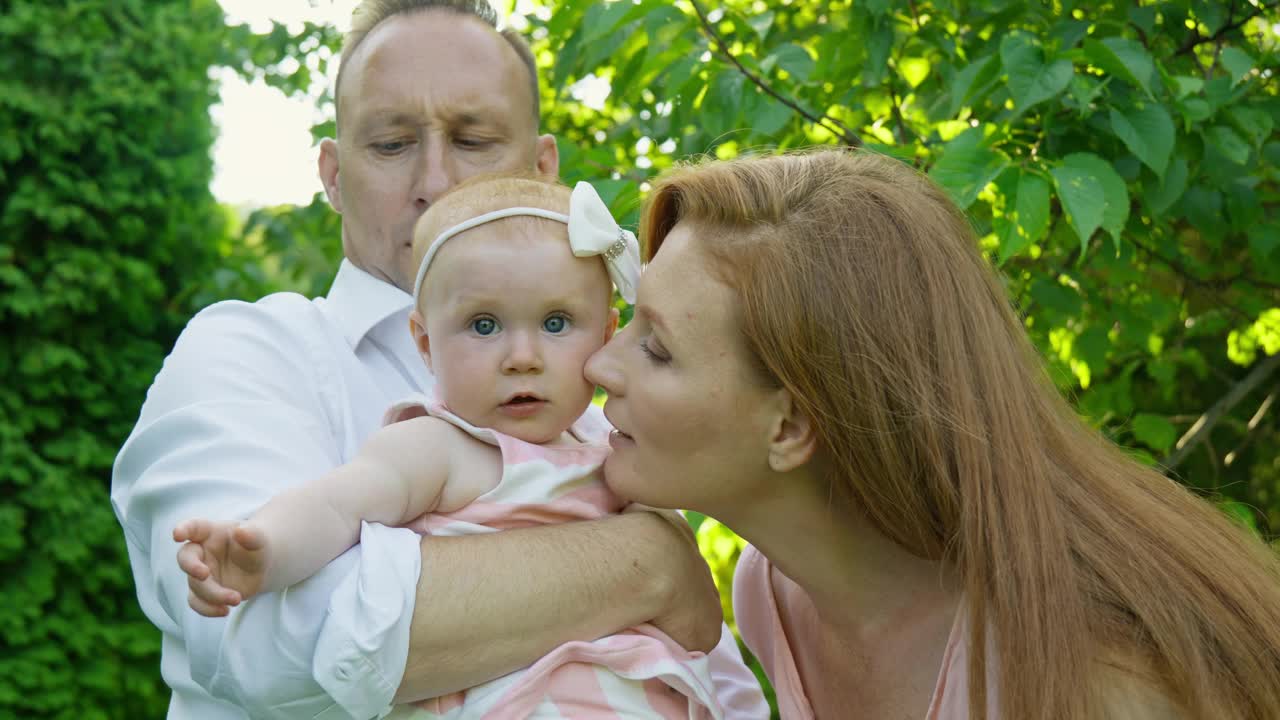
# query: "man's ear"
793 436
418 326
328 165
611 325
548 156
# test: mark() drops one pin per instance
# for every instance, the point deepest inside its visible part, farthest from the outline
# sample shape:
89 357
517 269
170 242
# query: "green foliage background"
1118 159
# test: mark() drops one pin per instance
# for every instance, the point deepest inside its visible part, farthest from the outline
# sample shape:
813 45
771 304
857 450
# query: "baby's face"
511 318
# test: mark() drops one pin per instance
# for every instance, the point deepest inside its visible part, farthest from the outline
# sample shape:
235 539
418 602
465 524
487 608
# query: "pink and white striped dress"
640 673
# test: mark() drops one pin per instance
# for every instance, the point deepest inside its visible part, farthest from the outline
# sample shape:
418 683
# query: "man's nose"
436 174
602 367
523 354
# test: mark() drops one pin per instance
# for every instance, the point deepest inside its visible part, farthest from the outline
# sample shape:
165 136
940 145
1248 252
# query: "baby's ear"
418 326
611 325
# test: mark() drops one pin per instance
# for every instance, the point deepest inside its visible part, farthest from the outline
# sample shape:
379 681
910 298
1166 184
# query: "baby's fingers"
205 608
249 537
191 561
209 598
194 530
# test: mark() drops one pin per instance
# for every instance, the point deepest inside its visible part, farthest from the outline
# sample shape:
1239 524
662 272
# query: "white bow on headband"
592 231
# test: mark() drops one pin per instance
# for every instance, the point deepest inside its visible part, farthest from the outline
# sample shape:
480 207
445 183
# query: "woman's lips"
619 439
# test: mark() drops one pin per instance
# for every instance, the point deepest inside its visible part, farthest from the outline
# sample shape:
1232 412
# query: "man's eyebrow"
387 117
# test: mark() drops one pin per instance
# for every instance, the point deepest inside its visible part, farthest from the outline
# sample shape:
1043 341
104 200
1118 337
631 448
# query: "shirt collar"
360 301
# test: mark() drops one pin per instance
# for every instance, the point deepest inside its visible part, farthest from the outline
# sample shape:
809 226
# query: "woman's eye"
484 326
654 352
555 324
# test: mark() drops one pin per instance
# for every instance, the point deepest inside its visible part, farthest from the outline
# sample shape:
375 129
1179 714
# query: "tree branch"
1217 286
1200 430
836 127
1196 39
1252 427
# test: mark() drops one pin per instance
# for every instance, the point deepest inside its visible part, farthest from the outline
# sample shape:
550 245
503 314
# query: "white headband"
592 231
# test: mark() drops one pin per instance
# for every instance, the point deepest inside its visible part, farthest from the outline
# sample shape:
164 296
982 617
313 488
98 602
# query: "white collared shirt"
256 398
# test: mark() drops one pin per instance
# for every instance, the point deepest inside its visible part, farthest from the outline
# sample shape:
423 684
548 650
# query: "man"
258 397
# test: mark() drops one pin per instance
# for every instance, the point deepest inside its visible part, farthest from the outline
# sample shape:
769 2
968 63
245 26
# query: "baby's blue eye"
555 324
484 326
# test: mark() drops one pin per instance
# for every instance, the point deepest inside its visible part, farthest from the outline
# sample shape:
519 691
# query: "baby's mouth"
522 405
522 400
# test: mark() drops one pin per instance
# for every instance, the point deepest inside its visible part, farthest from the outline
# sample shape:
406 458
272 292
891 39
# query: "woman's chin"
621 478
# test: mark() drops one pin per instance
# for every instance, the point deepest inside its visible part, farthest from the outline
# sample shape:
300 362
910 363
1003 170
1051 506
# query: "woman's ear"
418 326
793 436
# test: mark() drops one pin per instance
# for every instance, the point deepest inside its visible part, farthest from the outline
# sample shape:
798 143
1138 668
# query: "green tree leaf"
1123 58
1169 189
1154 431
1093 194
1237 62
967 166
1227 142
1148 132
1254 124
1030 218
970 81
1031 81
792 58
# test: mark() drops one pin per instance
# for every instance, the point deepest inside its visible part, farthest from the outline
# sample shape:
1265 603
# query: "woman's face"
694 418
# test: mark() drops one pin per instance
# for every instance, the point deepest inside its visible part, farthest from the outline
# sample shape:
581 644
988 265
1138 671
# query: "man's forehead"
399 54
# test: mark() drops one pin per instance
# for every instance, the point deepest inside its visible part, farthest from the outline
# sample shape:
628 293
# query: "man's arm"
236 417
490 604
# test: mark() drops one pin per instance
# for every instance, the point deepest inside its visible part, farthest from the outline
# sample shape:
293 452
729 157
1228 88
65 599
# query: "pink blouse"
755 605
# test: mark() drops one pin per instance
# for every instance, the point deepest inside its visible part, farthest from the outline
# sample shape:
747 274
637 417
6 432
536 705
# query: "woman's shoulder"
760 600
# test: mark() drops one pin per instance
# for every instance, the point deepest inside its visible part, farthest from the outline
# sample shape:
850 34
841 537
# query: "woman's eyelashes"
653 350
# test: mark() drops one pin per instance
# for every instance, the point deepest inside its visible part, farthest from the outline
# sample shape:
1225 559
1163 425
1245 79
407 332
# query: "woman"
821 359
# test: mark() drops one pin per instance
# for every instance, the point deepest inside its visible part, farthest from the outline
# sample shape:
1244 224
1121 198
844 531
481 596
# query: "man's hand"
225 563
693 614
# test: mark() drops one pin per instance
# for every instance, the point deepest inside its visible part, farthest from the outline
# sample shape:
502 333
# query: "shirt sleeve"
736 686
235 416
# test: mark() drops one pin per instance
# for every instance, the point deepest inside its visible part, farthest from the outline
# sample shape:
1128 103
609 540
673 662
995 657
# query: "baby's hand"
225 563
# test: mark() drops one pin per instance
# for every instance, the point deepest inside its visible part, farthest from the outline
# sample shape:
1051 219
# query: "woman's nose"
602 367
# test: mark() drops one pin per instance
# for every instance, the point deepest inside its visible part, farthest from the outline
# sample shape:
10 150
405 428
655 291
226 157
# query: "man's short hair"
369 13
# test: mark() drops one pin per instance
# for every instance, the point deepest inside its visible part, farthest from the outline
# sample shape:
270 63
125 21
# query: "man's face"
427 100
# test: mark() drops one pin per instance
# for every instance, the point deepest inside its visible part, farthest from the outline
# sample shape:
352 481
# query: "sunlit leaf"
966 166
1029 220
1237 62
1148 132
1123 58
1031 81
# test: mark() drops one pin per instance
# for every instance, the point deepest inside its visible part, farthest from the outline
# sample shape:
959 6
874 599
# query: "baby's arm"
399 474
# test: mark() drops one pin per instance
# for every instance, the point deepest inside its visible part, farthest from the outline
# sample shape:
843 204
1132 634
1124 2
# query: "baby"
512 296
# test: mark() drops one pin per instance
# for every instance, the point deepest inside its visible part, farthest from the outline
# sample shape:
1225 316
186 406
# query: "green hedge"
106 227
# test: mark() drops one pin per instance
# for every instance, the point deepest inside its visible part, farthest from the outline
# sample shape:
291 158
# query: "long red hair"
862 292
